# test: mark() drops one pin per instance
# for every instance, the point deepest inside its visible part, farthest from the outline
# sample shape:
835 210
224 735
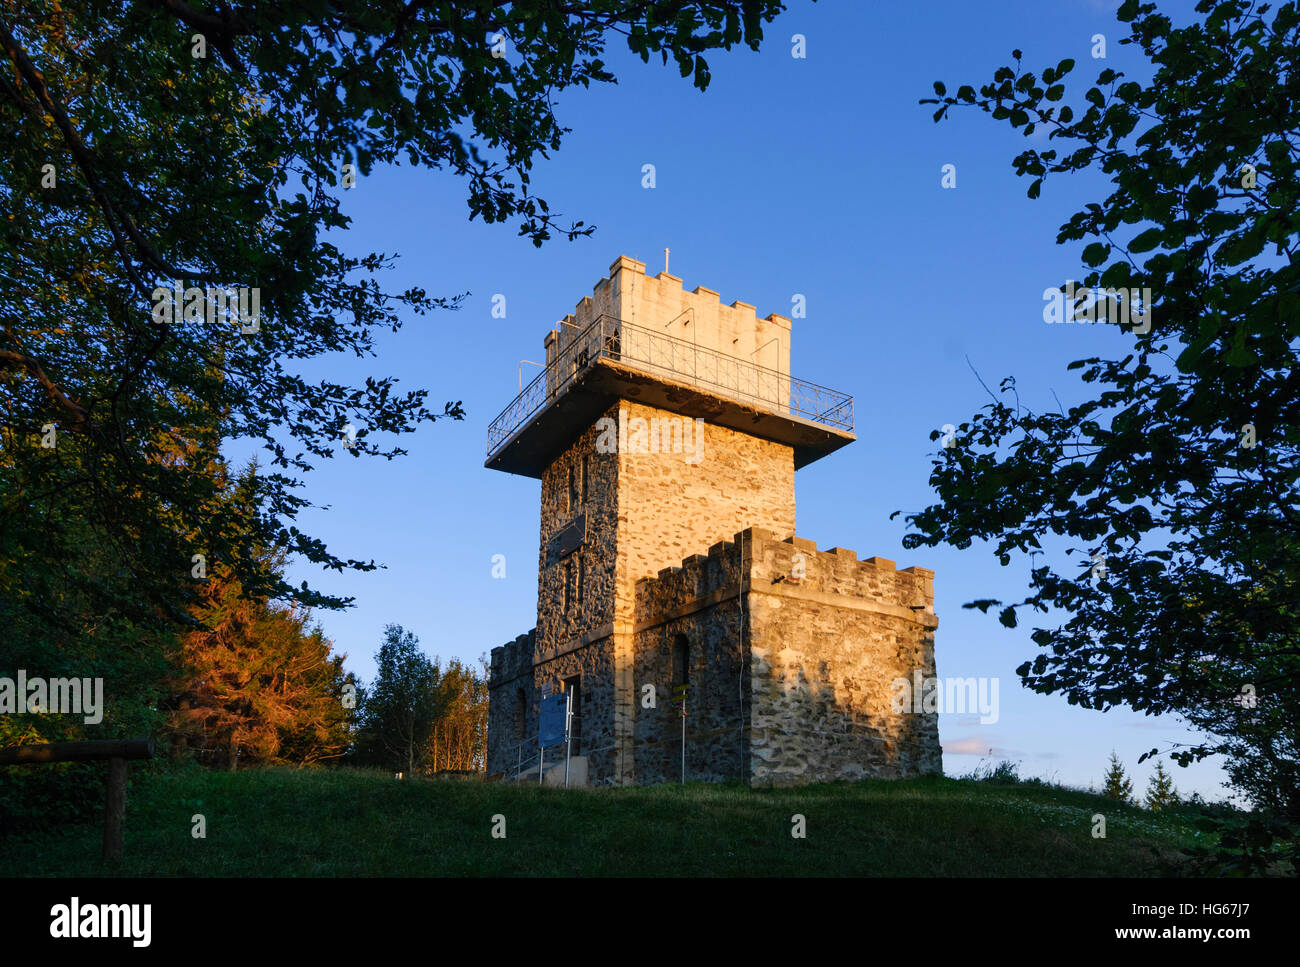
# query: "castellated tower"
666 430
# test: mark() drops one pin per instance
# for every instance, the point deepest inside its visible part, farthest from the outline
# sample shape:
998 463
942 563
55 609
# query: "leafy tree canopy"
161 149
1180 473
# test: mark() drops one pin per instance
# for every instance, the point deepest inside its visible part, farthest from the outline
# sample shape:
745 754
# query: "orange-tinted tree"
257 684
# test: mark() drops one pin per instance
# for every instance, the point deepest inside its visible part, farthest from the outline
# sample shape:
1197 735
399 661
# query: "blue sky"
817 176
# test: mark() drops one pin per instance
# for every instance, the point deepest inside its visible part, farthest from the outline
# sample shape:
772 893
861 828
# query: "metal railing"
655 352
526 750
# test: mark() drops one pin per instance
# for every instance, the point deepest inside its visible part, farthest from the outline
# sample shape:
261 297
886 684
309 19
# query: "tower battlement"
792 567
644 338
659 303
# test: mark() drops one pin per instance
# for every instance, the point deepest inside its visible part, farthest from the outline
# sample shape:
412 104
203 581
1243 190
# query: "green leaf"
1095 253
1239 355
1147 240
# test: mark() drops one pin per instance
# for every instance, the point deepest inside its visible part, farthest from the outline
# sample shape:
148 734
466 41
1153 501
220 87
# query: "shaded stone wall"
699 601
597 552
579 641
513 670
593 663
510 670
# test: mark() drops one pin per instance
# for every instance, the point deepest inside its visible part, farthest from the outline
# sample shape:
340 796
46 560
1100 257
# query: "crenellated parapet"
795 566
512 660
697 317
796 562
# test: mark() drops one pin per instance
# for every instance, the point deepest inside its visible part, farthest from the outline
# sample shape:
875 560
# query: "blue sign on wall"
554 726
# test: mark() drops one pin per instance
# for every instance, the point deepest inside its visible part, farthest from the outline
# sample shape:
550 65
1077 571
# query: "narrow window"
681 661
574 497
568 585
585 484
582 581
521 713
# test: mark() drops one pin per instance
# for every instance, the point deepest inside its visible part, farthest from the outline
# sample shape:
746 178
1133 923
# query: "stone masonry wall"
805 693
578 642
558 629
825 650
593 663
793 658
670 507
673 504
700 602
511 670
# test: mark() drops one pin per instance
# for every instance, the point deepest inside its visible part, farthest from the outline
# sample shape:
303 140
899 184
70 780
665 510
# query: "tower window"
574 497
568 585
681 660
582 580
584 482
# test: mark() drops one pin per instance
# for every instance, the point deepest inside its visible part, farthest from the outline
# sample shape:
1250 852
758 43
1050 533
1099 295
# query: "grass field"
283 822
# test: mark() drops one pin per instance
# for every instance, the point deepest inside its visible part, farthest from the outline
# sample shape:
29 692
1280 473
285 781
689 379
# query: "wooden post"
117 752
114 809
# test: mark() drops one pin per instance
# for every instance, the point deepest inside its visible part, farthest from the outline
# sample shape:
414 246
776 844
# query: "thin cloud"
982 746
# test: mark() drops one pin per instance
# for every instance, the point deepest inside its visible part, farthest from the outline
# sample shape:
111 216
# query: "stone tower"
664 424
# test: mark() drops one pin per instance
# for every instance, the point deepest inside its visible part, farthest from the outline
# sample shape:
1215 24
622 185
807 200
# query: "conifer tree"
256 682
1117 785
1161 793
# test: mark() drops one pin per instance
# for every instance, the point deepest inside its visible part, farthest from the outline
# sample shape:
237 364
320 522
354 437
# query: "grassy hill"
352 822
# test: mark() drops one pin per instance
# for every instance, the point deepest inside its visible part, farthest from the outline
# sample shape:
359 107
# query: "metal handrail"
642 348
522 761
